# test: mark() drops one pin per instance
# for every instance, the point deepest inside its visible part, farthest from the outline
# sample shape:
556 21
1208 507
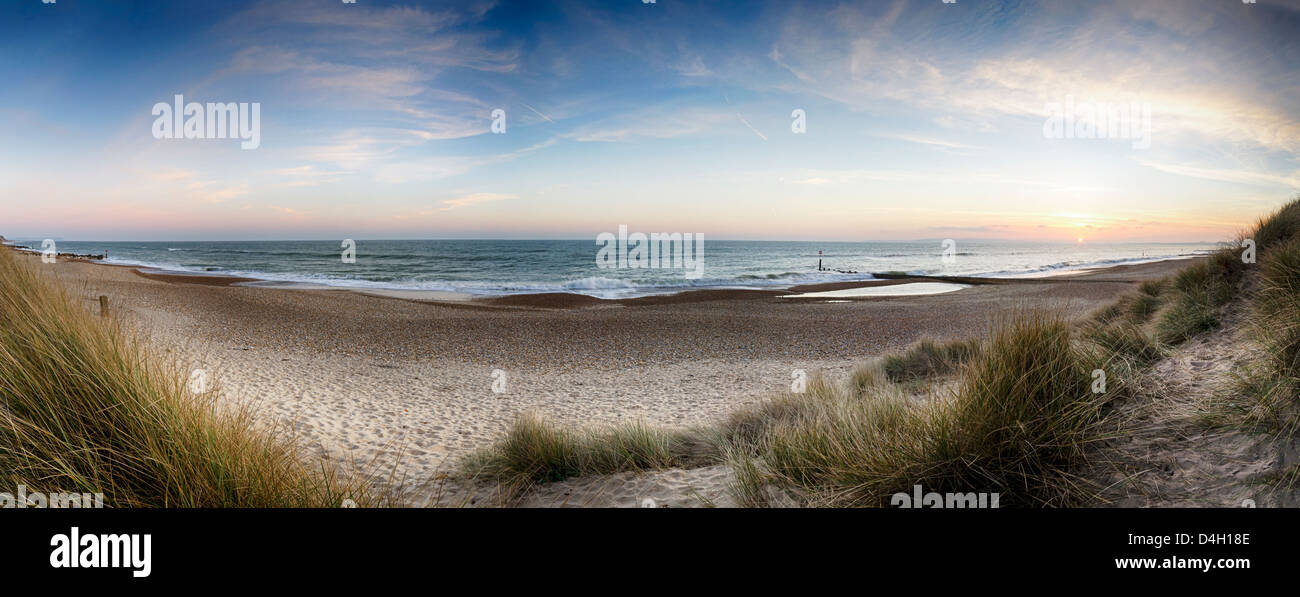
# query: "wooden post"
103 306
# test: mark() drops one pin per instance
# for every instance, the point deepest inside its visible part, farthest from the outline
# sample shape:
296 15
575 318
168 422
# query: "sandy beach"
399 384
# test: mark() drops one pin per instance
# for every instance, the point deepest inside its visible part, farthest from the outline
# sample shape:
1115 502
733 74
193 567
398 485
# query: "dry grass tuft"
85 408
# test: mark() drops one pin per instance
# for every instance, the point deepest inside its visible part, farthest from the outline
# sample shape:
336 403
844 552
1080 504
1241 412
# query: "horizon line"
727 239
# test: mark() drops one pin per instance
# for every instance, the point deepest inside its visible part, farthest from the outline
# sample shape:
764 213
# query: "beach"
280 276
403 387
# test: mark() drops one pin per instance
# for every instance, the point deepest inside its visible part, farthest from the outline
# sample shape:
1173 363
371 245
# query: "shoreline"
661 295
837 290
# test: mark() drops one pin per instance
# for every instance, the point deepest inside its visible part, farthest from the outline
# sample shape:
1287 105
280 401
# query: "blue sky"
923 119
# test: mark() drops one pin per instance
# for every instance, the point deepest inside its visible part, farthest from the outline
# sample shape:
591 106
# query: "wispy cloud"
1291 181
920 140
652 123
470 200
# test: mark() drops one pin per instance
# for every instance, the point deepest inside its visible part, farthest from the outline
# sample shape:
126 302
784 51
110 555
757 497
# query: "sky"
889 120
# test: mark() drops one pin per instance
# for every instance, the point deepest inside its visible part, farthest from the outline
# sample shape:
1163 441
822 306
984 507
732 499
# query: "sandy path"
1184 444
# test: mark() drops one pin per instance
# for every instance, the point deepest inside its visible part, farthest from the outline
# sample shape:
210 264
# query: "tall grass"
534 451
1018 423
1199 290
1278 227
85 408
1135 308
1278 308
1275 318
1147 301
1202 288
1126 340
929 358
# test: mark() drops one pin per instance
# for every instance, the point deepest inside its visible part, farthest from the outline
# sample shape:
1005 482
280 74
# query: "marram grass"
1275 320
1018 423
535 451
86 408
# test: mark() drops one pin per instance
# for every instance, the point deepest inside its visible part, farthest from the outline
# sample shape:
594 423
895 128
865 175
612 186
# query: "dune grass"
1275 319
929 358
1017 424
1127 340
86 408
1279 227
1278 308
1147 301
1165 313
1198 292
535 451
1135 308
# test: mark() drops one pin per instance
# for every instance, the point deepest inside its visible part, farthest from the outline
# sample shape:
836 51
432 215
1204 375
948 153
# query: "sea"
503 267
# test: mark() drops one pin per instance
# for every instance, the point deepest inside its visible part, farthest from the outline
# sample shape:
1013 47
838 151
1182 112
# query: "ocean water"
498 267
